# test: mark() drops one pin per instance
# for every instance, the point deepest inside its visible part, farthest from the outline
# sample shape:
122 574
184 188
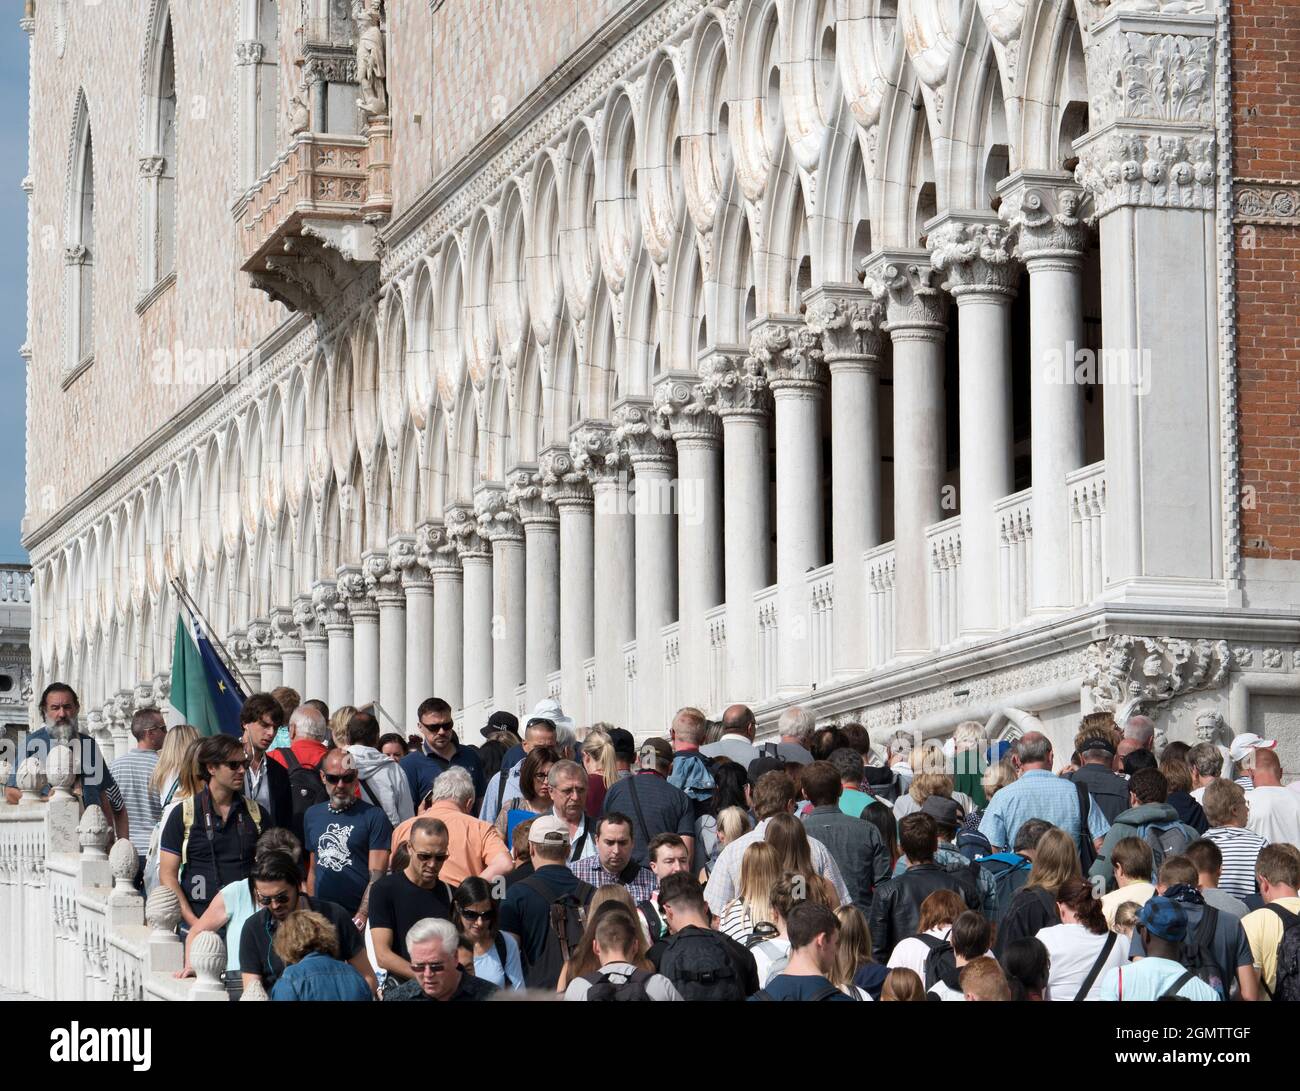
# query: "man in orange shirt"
473 847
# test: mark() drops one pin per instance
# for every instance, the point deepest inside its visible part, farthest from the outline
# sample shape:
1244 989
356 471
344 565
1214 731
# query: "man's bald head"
739 720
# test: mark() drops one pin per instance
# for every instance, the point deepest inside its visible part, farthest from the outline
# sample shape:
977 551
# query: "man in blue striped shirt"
1038 793
132 772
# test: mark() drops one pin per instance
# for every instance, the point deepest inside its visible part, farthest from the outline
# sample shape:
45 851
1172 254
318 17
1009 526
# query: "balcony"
307 229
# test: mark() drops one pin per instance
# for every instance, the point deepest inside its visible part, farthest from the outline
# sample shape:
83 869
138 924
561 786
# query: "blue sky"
13 280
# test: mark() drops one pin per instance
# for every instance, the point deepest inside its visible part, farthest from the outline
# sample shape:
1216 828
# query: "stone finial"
162 909
208 957
31 779
93 833
61 772
124 862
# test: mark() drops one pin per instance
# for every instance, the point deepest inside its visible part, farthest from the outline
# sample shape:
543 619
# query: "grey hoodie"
1129 824
384 777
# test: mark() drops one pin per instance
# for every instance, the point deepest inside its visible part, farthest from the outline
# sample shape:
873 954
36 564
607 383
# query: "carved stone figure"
372 62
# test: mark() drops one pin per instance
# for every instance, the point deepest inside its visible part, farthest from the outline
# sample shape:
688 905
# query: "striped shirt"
143 809
1240 850
736 922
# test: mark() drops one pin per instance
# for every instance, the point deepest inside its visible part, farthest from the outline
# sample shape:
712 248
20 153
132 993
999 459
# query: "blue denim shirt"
319 977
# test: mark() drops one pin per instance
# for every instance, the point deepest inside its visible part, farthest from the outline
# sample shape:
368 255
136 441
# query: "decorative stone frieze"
1131 672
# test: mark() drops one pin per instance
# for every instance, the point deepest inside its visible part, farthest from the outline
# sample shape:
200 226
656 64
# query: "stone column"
613 544
332 613
361 608
792 358
288 643
541 622
417 583
682 406
847 320
973 250
499 524
476 564
384 585
734 385
644 445
315 643
567 487
243 660
1149 161
915 313
266 654
443 560
1044 209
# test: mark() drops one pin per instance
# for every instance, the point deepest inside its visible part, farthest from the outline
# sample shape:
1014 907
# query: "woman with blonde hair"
969 761
308 945
760 869
602 768
856 971
1056 862
188 786
166 776
339 725
930 777
787 835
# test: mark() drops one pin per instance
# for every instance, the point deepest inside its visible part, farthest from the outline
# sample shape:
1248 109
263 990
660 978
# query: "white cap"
1243 744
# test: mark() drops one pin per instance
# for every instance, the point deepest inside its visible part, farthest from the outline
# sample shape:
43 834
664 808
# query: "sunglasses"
236 766
475 915
273 899
428 967
439 727
425 857
339 778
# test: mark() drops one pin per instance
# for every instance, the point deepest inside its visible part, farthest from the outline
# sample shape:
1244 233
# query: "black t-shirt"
1032 909
219 852
257 957
397 903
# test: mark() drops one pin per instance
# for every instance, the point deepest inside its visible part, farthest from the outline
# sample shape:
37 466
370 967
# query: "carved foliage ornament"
908 292
1151 170
1160 77
974 257
790 353
734 383
845 327
1263 201
1137 671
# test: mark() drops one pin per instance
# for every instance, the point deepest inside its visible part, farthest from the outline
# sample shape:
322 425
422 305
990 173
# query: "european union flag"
203 689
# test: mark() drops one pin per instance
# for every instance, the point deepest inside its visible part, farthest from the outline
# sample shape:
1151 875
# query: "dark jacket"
1109 790
855 846
277 777
1189 811
896 907
1031 909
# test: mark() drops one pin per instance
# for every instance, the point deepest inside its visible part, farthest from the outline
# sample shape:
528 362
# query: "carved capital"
641 438
1129 674
286 632
732 383
905 283
353 599
591 443
76 255
151 166
463 530
1151 66
790 354
1125 166
1047 211
681 405
260 635
435 549
975 255
498 520
524 494
325 602
564 483
249 51
846 319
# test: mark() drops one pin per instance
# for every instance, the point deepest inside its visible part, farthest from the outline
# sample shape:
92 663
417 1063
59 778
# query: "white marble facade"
696 380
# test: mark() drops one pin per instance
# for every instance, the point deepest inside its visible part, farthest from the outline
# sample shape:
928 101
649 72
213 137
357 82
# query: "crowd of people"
342 863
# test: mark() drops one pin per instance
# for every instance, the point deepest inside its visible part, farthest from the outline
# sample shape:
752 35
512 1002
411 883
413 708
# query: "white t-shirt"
1275 815
911 953
1073 950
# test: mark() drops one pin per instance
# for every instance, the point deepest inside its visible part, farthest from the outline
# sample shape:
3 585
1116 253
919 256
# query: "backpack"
972 844
1166 839
940 963
1087 850
1010 872
824 993
1197 953
566 918
603 989
305 787
1287 984
697 963
187 823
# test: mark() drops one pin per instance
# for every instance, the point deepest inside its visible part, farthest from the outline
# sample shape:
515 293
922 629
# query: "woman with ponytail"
1081 947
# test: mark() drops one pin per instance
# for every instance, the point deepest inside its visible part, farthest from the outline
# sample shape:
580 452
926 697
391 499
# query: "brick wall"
1266 118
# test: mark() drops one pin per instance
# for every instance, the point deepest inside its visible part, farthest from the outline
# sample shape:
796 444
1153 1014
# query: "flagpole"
384 713
226 658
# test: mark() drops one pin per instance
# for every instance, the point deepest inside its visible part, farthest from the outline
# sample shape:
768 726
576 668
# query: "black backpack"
940 963
1198 953
567 915
305 787
826 992
1287 984
1010 872
634 988
698 964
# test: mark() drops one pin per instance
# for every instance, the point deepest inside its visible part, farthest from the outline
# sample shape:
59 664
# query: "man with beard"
275 887
95 783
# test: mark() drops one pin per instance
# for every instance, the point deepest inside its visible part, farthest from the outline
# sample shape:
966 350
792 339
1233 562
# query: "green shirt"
853 802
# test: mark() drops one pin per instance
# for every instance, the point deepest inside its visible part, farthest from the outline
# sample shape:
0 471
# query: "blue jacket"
319 977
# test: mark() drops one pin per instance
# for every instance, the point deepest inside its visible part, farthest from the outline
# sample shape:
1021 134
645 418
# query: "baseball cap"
1165 918
1243 744
663 750
501 721
947 812
624 744
759 766
548 830
549 709
1097 742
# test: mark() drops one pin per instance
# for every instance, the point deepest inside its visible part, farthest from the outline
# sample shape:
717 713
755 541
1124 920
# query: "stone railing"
15 583
521 702
765 611
715 627
1087 531
589 691
880 603
1015 541
72 925
671 645
821 621
943 552
554 685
